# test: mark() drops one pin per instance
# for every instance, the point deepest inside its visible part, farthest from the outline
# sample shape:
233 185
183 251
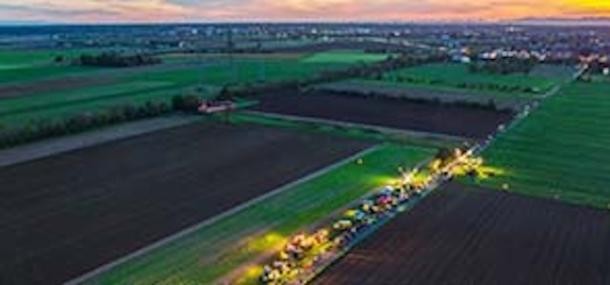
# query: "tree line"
503 66
361 70
42 129
489 105
114 59
483 86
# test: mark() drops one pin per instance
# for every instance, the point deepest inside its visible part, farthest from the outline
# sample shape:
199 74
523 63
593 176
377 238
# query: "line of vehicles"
306 254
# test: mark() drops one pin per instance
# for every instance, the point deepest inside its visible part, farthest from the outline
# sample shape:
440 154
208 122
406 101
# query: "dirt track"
400 114
465 235
70 213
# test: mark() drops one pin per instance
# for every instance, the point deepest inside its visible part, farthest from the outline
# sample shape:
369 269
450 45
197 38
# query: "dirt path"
46 148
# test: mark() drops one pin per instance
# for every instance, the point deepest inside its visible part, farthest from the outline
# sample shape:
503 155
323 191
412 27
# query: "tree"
186 103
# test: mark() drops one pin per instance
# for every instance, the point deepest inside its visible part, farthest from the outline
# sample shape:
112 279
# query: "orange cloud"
280 10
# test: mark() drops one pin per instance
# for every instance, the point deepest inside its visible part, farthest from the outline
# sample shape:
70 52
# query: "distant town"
462 42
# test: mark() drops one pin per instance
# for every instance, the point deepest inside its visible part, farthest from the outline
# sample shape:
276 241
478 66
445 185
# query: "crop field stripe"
388 130
356 132
131 89
568 152
187 231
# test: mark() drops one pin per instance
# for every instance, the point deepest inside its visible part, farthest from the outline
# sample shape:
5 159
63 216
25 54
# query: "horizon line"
518 21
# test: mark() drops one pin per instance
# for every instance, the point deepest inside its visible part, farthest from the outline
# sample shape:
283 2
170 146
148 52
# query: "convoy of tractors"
304 255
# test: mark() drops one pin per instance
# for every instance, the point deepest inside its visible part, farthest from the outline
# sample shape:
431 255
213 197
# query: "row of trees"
361 70
503 66
482 86
42 129
186 103
113 59
434 101
507 88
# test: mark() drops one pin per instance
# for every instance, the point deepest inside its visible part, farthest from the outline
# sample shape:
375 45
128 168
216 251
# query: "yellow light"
250 275
269 241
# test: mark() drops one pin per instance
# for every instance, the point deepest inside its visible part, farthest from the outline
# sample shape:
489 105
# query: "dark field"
466 235
400 114
68 214
67 83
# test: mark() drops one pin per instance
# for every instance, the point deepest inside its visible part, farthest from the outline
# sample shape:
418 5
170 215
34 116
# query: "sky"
111 11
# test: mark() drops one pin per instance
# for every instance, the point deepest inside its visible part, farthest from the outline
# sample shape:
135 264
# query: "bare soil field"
65 215
54 146
448 96
393 113
12 90
468 235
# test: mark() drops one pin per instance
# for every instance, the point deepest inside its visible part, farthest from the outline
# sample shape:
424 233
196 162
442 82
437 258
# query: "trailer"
211 107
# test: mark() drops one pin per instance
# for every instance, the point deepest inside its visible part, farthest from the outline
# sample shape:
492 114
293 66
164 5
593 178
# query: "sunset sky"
293 10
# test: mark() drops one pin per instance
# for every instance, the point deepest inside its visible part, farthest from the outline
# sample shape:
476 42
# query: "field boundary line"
167 240
385 130
55 146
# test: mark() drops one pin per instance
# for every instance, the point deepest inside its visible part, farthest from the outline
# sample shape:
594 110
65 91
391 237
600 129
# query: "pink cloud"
246 10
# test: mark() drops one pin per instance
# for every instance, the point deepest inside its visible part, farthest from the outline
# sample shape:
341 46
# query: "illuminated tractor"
369 207
277 273
385 202
343 225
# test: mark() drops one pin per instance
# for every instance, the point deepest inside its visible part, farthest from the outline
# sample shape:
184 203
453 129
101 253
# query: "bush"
503 66
186 103
112 59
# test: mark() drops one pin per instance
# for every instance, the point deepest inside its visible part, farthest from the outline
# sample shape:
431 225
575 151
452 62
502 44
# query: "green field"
344 56
457 77
562 150
35 57
216 250
23 66
26 74
354 132
242 71
156 83
22 111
